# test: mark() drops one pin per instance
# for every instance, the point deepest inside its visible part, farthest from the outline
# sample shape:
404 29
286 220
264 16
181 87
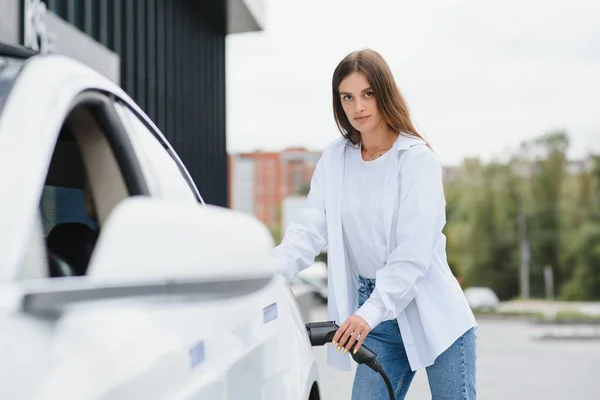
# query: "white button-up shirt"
416 285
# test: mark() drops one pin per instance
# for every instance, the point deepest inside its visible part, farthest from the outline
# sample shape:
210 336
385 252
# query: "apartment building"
260 181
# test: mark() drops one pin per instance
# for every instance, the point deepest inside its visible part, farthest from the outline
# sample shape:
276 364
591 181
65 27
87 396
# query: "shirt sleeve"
306 236
421 218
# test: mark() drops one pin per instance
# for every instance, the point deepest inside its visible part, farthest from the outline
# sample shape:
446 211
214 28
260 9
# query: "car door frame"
163 142
37 137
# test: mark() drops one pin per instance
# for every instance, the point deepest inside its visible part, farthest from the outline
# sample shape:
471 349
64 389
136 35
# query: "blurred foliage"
559 202
303 190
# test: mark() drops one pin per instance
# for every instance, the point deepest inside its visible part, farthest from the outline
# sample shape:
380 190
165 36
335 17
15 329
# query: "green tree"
582 237
481 229
562 210
544 211
303 190
585 281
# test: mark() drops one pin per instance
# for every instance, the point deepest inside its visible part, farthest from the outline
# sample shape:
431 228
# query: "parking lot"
511 364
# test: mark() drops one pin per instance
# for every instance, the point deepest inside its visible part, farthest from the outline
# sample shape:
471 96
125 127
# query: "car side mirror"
151 247
147 239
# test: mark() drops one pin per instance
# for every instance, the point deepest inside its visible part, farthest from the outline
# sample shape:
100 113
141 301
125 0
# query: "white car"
481 298
116 282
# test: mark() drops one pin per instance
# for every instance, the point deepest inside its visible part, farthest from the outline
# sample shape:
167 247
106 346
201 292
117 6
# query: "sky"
479 76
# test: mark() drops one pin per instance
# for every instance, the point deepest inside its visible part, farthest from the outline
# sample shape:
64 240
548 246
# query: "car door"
259 340
36 141
236 347
248 333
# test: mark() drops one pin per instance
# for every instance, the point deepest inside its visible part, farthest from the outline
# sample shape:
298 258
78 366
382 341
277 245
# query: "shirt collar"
406 141
403 142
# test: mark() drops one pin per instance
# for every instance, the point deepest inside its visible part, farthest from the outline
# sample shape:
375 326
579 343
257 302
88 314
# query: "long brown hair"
389 99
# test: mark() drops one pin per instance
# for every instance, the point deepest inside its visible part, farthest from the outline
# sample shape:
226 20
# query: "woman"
377 202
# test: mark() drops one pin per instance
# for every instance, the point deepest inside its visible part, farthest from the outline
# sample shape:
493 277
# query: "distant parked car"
482 298
315 277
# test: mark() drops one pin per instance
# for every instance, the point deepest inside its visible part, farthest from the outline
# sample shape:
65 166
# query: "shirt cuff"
282 267
370 313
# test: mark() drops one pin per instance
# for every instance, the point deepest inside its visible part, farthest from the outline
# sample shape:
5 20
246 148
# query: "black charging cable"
321 333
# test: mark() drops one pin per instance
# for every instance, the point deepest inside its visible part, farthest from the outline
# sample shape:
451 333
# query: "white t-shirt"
362 216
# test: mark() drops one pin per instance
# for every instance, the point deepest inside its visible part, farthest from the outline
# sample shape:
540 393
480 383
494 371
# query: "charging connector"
320 333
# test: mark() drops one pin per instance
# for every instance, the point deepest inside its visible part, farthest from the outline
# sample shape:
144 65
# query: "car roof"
7 50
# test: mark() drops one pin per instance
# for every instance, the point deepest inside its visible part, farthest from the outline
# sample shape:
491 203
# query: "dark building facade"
171 61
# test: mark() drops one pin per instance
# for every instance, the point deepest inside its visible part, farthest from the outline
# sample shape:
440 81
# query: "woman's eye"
369 94
347 97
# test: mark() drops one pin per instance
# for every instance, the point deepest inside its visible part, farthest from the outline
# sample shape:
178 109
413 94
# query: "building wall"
242 196
267 193
255 180
298 166
173 65
260 182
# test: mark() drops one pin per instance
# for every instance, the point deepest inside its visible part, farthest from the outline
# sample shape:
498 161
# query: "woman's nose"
359 106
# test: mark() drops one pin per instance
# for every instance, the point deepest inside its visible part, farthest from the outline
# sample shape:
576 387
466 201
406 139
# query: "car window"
9 69
58 205
61 204
165 176
69 232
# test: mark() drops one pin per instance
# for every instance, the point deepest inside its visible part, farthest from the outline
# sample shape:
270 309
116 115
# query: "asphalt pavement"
512 364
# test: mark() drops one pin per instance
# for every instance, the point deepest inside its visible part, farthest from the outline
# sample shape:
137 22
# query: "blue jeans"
451 377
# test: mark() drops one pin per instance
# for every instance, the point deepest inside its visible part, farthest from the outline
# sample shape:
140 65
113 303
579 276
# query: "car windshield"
9 69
